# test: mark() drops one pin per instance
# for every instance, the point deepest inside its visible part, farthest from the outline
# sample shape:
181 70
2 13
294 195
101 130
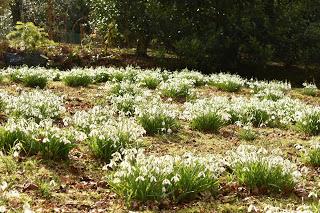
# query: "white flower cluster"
167 174
309 86
156 115
150 78
85 120
177 88
115 129
222 80
202 107
270 93
246 154
123 88
35 104
256 86
198 78
78 72
20 73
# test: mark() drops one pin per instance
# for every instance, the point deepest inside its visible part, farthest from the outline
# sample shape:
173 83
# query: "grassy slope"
79 184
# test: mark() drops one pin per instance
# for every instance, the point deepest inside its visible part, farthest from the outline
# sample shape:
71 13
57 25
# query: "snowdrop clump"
35 104
157 117
78 77
308 120
257 86
177 88
150 78
85 120
260 170
270 94
30 77
265 112
226 82
127 103
309 89
312 153
207 115
44 138
198 78
172 177
113 136
124 88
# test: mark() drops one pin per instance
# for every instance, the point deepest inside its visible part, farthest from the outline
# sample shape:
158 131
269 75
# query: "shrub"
177 178
28 37
308 120
77 78
156 117
261 172
178 89
114 135
310 89
207 115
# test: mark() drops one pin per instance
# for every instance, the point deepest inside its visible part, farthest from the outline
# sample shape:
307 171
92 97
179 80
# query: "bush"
28 37
261 172
177 178
113 136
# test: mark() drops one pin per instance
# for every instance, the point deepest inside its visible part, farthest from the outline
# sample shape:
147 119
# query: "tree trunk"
142 47
16 11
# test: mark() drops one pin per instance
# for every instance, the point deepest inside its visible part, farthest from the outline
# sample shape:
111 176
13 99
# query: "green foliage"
310 123
210 122
28 37
10 139
77 80
247 134
158 124
103 148
313 157
260 176
35 81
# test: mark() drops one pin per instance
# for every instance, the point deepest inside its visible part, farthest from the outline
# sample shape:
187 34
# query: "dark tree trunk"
16 11
142 46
